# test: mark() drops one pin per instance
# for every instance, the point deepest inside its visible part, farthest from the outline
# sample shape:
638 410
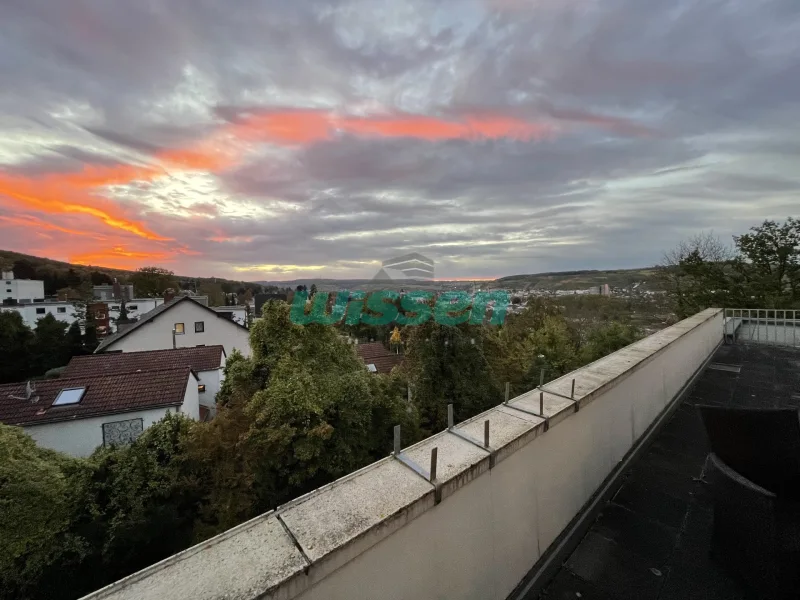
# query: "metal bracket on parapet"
467 437
571 397
540 414
429 476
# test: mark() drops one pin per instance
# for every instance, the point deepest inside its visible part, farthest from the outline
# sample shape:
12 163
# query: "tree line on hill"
73 282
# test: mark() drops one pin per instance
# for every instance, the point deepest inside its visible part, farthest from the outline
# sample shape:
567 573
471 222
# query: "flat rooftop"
652 540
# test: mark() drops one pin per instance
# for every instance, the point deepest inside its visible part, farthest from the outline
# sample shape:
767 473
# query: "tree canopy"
760 270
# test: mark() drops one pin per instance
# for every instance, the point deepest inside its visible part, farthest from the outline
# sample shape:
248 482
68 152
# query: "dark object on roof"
203 358
376 354
756 536
148 318
761 444
102 396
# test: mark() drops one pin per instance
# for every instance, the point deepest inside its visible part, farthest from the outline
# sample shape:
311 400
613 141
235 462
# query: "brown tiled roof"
374 353
371 350
202 358
104 395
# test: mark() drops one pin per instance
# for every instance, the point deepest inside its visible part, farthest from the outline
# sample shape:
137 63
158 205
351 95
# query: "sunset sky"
284 139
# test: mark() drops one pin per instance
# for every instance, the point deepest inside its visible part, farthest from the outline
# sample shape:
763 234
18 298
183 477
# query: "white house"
31 313
179 323
76 415
206 362
21 290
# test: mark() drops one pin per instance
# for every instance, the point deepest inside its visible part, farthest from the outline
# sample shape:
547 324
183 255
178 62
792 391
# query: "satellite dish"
30 390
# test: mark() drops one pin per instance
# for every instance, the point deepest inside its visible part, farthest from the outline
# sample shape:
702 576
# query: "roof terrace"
502 510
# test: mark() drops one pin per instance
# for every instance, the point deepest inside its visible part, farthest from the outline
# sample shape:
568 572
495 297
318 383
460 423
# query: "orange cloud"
305 127
31 221
49 196
287 127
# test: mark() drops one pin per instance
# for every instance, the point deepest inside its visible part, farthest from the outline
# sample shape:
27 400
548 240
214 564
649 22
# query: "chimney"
117 290
169 294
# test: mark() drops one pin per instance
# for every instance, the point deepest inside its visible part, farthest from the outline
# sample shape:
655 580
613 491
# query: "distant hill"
647 278
57 274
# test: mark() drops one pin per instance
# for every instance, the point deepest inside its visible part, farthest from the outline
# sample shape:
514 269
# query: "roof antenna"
30 390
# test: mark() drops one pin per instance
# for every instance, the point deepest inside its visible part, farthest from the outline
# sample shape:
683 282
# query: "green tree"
37 502
443 366
607 338
50 348
216 296
769 263
15 341
90 341
141 499
98 278
153 281
761 271
74 340
24 269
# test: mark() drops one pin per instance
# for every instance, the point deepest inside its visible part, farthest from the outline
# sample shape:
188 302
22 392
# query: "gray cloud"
669 117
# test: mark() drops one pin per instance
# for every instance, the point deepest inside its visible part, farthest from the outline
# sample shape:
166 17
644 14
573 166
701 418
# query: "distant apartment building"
114 291
32 312
20 290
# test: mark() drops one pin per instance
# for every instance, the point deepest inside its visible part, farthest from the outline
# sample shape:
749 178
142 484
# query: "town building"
114 291
76 415
206 362
20 290
237 314
179 323
32 312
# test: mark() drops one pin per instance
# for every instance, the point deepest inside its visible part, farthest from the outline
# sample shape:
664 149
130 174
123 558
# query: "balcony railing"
775 327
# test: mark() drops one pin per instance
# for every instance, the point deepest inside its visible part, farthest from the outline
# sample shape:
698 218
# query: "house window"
178 328
201 388
199 326
39 311
61 309
100 315
9 291
120 433
133 307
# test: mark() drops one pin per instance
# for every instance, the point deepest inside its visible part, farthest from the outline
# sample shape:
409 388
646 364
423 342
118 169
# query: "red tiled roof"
374 353
202 358
104 395
385 364
371 350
